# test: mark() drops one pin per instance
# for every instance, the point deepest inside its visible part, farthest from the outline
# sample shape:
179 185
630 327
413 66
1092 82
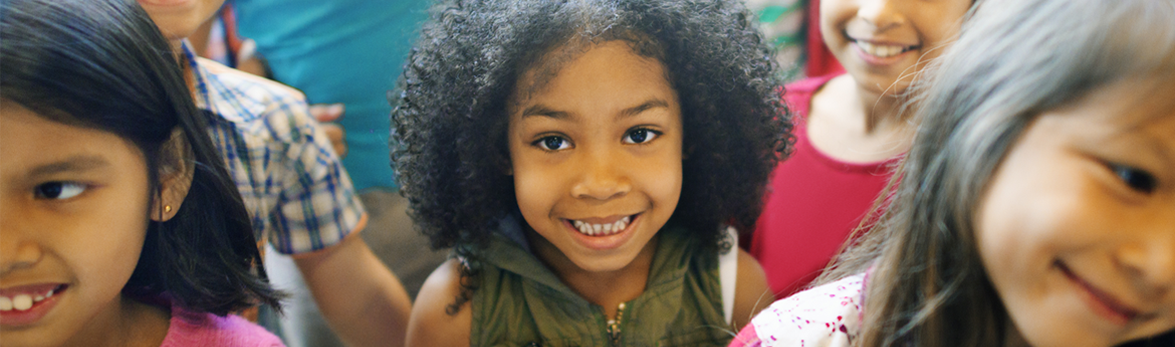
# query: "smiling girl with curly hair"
589 162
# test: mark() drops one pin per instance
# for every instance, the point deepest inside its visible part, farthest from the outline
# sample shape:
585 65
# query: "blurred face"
1077 227
178 19
596 156
72 226
882 42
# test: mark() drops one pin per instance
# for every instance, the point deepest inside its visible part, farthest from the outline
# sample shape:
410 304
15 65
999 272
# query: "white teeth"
881 51
22 302
601 229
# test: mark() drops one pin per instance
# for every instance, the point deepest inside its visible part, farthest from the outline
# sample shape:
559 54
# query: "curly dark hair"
449 130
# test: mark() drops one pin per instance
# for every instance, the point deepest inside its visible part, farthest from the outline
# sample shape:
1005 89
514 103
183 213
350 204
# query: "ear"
175 177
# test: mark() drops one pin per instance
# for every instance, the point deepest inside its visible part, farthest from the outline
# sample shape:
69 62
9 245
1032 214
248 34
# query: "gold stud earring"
166 208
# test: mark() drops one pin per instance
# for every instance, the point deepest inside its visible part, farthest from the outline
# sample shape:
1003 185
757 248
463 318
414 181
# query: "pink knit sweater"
206 329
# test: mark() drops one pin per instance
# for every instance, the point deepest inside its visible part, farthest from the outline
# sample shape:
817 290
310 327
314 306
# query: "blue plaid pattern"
298 194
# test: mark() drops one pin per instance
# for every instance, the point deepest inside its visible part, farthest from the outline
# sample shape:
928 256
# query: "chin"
603 263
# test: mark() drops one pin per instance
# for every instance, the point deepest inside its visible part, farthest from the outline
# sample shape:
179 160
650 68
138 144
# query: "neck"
124 322
881 112
177 49
605 288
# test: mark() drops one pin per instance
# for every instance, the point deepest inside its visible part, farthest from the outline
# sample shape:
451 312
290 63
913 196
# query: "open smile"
602 226
878 50
604 234
26 304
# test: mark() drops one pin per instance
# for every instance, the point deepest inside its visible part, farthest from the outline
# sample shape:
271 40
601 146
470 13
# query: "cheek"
1016 231
536 186
663 179
834 18
107 251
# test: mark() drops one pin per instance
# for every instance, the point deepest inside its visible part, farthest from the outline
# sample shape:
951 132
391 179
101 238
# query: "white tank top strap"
728 273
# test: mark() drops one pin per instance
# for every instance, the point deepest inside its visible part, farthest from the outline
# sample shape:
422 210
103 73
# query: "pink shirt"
813 204
191 329
826 316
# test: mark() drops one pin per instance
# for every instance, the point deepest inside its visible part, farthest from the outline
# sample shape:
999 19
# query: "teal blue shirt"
348 51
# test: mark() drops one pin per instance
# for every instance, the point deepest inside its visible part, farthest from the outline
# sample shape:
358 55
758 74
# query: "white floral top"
826 316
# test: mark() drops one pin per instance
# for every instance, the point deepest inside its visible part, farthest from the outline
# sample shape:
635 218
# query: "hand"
326 114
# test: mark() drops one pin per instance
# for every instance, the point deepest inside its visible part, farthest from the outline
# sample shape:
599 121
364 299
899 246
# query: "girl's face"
880 42
596 154
1077 228
74 216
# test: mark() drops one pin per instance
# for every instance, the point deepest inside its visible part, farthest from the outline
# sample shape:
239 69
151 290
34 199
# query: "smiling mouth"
1106 300
24 301
602 229
883 50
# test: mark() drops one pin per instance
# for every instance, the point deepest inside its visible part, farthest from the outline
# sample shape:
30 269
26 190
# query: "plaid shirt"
295 188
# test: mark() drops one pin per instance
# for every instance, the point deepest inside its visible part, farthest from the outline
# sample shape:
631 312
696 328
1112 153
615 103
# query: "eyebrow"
77 163
543 110
1138 131
1159 148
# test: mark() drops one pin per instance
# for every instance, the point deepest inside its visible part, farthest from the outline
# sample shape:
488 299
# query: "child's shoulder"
430 323
247 82
268 110
205 329
242 97
827 315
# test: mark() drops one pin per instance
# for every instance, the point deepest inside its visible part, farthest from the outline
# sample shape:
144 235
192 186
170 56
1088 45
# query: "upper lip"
31 289
1110 300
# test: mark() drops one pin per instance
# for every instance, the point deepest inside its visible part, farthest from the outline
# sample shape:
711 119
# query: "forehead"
584 62
1128 103
28 140
1137 107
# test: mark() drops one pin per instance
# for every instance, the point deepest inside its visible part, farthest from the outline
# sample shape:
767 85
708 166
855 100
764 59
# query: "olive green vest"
520 302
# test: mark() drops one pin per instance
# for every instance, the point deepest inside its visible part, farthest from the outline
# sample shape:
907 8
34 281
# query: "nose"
1151 261
881 14
16 250
602 176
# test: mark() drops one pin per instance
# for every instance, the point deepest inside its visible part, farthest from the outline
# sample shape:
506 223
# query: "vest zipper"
614 326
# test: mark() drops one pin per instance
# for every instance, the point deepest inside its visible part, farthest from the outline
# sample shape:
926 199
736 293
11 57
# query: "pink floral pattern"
826 316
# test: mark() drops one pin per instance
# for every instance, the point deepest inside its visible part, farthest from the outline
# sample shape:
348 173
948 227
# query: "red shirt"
813 204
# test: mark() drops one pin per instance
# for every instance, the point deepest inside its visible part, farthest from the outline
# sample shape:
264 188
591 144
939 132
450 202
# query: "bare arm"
751 293
430 324
361 299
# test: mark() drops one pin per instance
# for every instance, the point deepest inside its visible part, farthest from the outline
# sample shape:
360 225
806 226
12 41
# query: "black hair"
102 64
449 129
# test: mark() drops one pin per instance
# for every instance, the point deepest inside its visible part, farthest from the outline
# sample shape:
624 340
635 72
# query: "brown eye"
58 190
640 135
553 143
1136 179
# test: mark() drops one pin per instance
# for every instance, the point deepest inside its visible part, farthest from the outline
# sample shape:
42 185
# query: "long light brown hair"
1013 60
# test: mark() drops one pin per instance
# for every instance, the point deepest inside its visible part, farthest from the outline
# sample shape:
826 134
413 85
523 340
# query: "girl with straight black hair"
119 223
